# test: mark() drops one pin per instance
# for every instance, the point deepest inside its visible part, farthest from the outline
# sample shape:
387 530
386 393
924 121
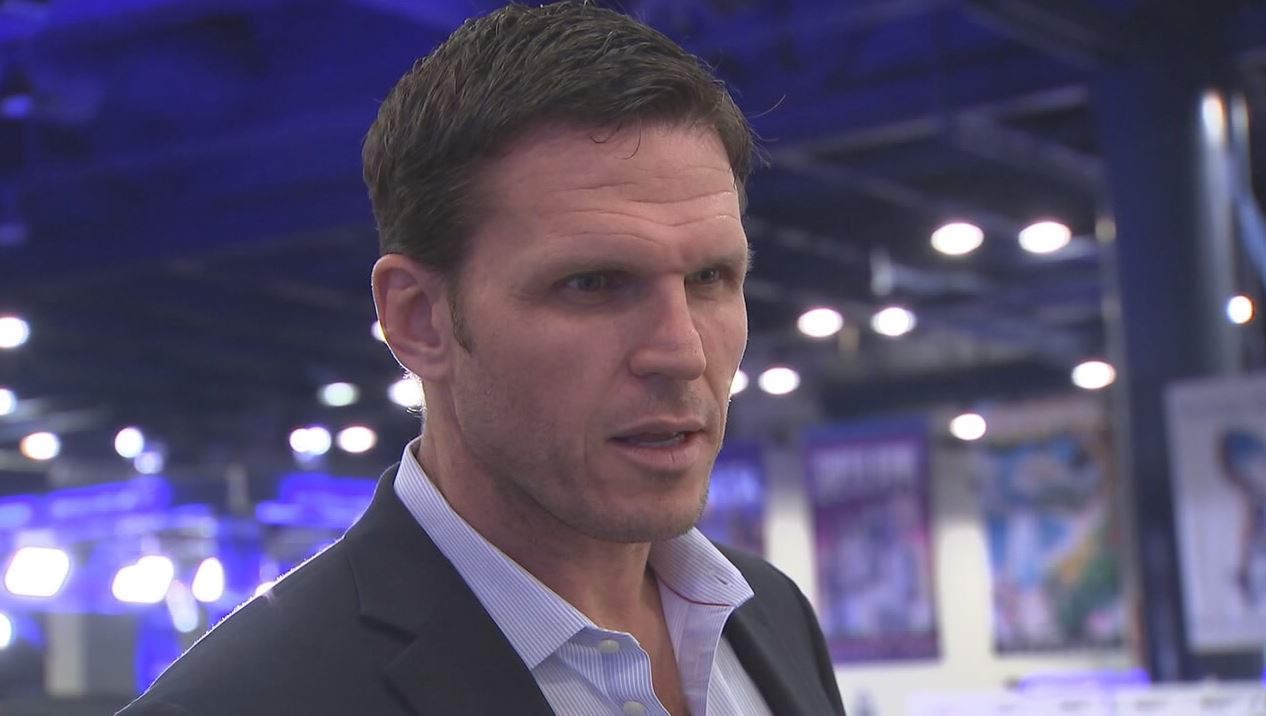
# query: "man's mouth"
655 439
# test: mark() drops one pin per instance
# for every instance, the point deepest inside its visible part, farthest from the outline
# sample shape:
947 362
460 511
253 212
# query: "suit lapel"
456 660
461 663
787 689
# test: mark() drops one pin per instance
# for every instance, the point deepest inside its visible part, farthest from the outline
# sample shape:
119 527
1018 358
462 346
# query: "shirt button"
634 708
609 646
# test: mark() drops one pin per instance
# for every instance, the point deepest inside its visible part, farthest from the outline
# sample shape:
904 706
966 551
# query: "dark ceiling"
190 240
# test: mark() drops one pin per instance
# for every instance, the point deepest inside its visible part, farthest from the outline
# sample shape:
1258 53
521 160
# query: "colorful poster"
869 487
735 513
1049 509
1217 439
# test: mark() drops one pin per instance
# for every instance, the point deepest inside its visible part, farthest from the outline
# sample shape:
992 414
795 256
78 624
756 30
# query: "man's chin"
658 526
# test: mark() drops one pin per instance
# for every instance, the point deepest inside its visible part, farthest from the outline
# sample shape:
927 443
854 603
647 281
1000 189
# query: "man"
558 197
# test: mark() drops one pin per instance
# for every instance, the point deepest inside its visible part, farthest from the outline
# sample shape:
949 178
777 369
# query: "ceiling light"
1239 310
968 426
407 392
129 442
1094 375
13 332
6 631
957 238
893 321
182 607
356 439
40 446
37 572
208 581
313 440
376 331
263 588
144 582
149 462
8 401
739 384
778 381
338 395
820 322
1045 237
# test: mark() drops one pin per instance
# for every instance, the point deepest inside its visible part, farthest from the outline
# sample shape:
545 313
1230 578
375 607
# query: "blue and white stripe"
581 668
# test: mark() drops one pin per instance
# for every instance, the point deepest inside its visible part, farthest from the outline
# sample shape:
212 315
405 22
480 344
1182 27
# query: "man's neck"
609 582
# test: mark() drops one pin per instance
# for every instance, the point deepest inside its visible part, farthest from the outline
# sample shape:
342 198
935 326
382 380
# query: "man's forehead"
655 158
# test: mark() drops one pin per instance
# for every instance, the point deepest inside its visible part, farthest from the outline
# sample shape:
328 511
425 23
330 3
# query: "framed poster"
869 489
1048 499
735 512
1217 442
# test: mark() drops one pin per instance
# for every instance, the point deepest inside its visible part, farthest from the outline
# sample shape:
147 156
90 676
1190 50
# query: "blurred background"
1003 414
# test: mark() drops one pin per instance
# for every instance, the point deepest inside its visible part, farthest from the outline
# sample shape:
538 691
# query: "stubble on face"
526 398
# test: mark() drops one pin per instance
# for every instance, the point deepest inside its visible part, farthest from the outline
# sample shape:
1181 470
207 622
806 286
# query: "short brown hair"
500 76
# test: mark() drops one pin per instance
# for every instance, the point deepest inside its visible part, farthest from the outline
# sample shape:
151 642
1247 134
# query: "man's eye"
589 282
711 275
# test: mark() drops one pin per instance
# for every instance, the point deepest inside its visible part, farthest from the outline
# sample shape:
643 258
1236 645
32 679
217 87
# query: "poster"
1049 503
1217 440
735 512
869 488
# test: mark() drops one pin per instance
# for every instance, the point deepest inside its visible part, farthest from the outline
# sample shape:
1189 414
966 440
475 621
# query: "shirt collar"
689 565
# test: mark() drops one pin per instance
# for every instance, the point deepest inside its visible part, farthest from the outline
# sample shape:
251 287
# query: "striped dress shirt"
581 668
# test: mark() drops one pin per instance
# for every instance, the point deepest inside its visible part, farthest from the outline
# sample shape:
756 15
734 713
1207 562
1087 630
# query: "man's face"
602 298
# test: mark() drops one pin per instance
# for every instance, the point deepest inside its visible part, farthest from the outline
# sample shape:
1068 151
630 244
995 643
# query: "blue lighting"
314 499
139 495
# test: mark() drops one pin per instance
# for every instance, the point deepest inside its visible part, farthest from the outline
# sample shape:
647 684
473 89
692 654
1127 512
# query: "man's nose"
669 344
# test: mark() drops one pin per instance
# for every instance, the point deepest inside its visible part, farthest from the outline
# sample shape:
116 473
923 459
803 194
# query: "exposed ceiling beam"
892 192
978 133
810 21
1064 30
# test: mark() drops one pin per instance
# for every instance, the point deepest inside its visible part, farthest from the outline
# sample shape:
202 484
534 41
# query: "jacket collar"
457 661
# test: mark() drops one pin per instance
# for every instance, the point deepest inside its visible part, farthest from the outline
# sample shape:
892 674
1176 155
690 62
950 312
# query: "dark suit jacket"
382 623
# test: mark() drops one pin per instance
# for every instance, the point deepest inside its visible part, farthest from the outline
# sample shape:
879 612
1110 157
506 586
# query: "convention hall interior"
1002 414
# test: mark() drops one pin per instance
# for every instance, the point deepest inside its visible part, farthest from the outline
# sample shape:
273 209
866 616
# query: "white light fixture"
40 446
129 442
1213 117
6 631
1094 375
957 238
968 426
407 392
779 380
1239 310
149 462
1045 237
144 582
337 395
893 321
739 384
313 440
376 331
37 572
356 439
8 401
208 581
182 608
263 588
820 322
13 332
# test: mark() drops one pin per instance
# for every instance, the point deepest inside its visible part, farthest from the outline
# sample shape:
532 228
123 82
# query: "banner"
1049 503
1217 439
869 487
735 513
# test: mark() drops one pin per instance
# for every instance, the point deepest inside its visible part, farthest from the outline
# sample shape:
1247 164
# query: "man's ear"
412 304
